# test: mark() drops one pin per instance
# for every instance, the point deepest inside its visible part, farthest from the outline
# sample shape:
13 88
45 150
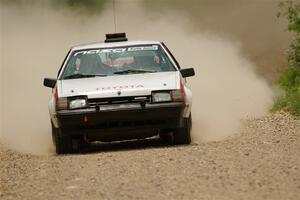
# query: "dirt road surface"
262 162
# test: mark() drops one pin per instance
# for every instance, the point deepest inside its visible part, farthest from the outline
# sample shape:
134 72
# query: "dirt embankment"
262 163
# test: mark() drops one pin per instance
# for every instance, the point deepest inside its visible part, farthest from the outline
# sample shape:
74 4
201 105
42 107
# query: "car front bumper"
121 117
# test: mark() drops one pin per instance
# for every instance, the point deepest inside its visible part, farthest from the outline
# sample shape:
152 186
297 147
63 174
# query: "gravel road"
262 162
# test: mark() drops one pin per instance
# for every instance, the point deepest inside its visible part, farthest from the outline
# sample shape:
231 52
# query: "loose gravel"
262 162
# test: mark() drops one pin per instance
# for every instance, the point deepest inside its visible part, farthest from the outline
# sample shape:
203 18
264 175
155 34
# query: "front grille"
118 100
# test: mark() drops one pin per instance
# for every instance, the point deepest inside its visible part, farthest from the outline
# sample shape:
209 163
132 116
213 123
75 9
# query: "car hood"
119 85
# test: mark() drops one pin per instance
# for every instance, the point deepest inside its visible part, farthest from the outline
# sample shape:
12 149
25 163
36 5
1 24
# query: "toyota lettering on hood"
121 87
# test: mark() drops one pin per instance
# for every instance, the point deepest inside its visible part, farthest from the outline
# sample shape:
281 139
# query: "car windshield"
117 61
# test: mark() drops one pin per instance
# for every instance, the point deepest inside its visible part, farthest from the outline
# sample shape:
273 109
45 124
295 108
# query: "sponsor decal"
117 50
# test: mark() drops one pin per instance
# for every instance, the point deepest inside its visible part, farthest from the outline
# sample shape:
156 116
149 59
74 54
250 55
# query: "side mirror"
187 72
49 82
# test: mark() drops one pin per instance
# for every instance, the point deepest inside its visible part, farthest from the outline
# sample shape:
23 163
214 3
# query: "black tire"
167 137
62 143
77 143
183 135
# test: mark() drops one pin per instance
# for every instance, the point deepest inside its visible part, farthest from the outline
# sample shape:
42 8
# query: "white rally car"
119 90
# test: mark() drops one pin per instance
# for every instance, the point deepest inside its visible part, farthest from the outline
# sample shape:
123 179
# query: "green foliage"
289 102
280 104
290 80
293 16
294 102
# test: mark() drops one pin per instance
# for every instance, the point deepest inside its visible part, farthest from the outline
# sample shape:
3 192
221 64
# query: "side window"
72 66
165 63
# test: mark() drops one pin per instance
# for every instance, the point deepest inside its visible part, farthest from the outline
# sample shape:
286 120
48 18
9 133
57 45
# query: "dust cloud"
35 38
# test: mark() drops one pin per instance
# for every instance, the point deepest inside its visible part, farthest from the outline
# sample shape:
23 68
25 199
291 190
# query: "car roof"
112 44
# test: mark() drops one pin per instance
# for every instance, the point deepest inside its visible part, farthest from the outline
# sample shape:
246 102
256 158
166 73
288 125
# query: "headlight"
161 97
77 103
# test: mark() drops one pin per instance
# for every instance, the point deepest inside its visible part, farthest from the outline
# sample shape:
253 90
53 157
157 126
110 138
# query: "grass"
289 82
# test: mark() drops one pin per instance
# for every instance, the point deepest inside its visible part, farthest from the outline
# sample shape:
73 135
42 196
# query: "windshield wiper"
74 76
129 71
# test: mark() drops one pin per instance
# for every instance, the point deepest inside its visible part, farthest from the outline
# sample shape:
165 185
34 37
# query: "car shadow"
129 145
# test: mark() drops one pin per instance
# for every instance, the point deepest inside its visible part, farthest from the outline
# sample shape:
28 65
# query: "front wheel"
183 135
62 144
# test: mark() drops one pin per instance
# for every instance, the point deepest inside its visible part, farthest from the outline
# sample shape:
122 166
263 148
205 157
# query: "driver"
92 64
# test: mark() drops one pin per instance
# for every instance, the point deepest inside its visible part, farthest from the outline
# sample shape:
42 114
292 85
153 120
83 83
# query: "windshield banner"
117 50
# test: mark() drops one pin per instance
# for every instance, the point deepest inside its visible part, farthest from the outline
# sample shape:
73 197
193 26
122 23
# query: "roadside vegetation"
289 81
